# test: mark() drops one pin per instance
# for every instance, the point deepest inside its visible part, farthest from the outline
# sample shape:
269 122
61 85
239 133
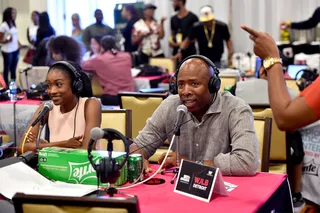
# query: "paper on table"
135 72
19 177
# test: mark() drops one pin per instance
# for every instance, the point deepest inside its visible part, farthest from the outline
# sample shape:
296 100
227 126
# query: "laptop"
292 70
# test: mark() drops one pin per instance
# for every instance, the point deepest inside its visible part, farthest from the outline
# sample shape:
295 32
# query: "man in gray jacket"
218 128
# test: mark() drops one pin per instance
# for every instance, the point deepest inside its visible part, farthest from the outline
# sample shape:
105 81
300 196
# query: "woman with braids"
113 69
75 112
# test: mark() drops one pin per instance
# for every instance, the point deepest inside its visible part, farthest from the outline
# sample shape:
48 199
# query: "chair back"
262 128
59 204
278 149
228 81
166 63
292 85
97 89
35 76
118 119
142 105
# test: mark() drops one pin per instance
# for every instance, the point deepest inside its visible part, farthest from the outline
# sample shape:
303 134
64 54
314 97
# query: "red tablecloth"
249 196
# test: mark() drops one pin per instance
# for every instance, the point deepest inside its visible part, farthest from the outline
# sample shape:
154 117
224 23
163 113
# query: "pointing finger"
250 30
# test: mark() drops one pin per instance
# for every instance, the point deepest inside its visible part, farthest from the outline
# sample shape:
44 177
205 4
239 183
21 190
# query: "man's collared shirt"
225 134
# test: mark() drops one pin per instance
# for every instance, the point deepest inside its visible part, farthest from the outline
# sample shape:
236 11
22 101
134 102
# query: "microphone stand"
176 170
39 133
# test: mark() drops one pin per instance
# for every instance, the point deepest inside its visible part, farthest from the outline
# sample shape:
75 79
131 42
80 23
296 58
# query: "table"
263 192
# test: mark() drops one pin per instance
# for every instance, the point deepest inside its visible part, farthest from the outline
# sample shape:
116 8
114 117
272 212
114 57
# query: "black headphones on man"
214 81
108 169
77 84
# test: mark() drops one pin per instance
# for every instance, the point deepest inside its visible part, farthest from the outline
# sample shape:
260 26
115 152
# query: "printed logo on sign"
185 179
79 172
43 154
311 168
210 173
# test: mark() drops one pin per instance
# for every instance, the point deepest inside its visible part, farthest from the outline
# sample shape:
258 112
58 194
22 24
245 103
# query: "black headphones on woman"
77 84
306 78
214 81
108 169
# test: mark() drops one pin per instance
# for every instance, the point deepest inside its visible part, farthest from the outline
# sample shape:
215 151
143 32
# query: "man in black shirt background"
181 26
210 35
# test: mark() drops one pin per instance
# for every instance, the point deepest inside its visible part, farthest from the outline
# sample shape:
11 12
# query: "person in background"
75 111
77 30
95 48
45 29
96 29
129 12
181 27
33 28
10 44
220 131
113 69
147 34
2 82
210 35
64 48
307 24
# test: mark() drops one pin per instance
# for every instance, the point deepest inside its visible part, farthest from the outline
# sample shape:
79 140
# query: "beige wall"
24 10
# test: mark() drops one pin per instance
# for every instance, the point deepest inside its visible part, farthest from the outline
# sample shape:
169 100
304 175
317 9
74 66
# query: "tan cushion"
142 109
166 63
6 138
278 168
278 138
97 90
259 129
114 120
155 157
227 82
40 208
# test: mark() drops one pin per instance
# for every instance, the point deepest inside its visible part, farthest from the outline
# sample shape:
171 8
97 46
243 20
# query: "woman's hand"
73 142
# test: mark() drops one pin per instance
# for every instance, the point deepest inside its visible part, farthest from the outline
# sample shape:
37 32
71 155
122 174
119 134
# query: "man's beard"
176 8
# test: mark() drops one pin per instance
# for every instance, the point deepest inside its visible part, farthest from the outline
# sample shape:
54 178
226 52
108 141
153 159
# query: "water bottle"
13 91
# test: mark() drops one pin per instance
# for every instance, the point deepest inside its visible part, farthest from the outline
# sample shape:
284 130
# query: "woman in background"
64 48
77 30
10 44
45 29
32 36
33 29
74 113
95 48
129 12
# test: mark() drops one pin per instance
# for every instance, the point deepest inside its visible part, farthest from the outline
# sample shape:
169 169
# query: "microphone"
26 69
181 110
97 133
46 108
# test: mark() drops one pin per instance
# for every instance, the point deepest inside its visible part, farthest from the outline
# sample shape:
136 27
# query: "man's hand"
171 160
146 167
285 25
163 19
264 45
178 57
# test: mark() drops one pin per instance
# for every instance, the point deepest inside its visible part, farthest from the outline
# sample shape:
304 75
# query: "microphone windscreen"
96 133
182 108
49 105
